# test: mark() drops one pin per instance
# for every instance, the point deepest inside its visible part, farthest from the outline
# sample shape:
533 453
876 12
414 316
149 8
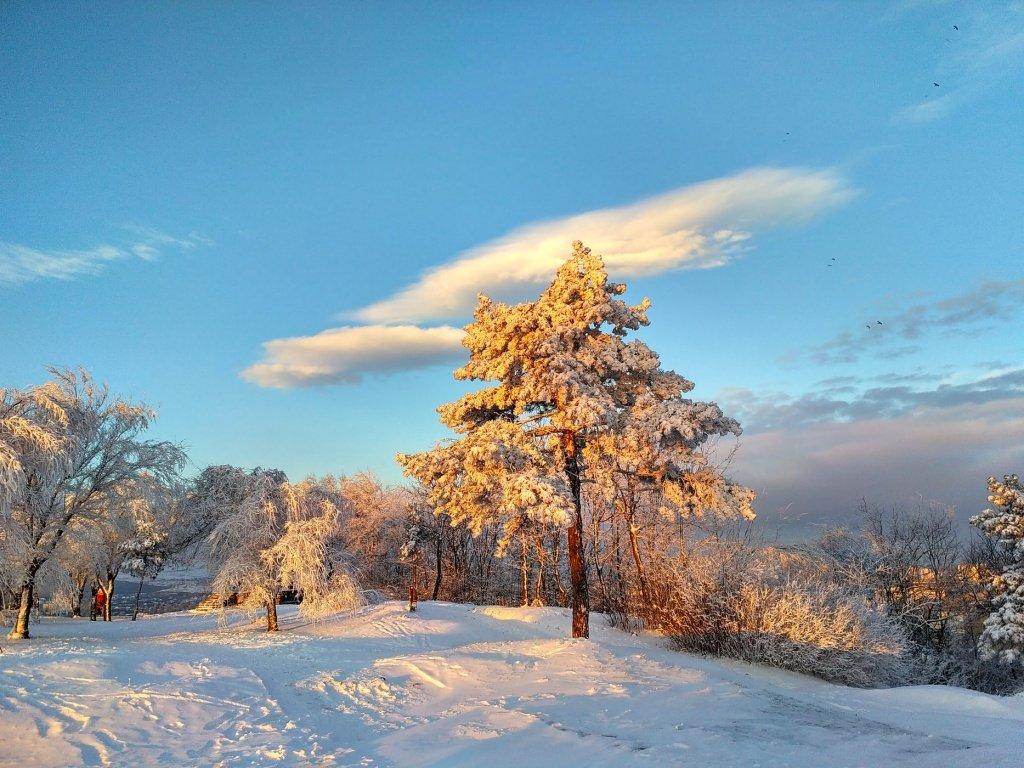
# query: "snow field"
454 685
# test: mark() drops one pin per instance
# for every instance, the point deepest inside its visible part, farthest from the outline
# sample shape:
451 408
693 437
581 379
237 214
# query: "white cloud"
21 264
344 355
697 226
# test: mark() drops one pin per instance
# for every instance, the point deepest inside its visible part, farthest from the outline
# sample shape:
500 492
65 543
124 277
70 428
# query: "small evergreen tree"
1003 637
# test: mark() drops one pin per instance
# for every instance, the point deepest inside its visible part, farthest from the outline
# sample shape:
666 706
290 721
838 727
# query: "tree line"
580 474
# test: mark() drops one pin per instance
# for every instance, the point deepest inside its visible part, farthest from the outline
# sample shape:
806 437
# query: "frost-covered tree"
374 526
156 512
63 446
566 386
310 556
120 511
78 558
653 461
272 535
145 554
1003 637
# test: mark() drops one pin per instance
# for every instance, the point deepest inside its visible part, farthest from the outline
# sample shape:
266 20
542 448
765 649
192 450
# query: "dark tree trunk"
524 573
272 615
577 565
437 565
138 594
76 609
20 630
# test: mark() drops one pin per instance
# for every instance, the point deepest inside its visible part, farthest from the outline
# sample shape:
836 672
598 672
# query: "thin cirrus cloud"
20 264
898 334
697 226
345 355
984 52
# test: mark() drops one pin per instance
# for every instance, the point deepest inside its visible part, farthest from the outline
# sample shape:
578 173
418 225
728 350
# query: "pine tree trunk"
524 573
138 594
437 564
272 615
20 630
577 565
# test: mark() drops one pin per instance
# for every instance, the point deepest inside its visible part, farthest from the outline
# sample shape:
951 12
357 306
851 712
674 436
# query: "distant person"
92 603
101 603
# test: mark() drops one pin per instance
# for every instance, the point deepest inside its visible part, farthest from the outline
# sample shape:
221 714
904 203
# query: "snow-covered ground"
454 685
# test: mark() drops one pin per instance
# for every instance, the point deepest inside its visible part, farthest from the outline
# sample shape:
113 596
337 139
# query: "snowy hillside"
454 685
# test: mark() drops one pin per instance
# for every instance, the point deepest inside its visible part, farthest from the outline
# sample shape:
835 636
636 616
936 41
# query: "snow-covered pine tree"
1003 637
564 377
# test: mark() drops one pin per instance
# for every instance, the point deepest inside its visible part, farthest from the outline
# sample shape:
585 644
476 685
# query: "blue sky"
182 183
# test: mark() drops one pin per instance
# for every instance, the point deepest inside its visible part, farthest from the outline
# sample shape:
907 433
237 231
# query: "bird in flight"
868 327
879 322
936 85
956 27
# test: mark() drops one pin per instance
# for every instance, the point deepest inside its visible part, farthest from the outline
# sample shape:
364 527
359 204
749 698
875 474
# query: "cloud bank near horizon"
914 440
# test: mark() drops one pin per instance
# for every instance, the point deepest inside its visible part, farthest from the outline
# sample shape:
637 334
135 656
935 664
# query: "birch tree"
561 377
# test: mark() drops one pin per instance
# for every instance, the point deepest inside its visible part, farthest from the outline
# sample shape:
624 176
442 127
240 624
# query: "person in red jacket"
101 602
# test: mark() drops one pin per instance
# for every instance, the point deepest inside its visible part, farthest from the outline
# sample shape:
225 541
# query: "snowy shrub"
728 599
273 535
914 566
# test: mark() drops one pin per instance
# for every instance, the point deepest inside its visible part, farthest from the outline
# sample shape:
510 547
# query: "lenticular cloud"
697 226
344 355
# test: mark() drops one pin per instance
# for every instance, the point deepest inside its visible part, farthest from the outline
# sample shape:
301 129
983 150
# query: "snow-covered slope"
454 685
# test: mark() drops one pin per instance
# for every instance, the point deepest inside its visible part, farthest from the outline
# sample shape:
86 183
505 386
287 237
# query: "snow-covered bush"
915 566
760 605
273 535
